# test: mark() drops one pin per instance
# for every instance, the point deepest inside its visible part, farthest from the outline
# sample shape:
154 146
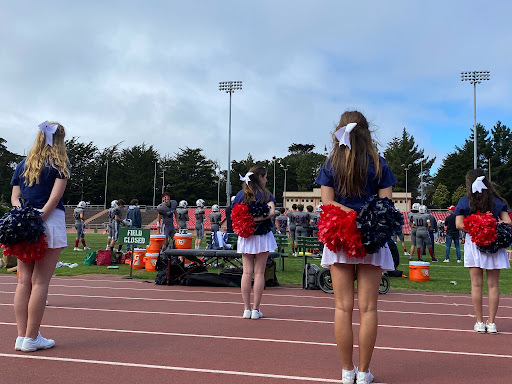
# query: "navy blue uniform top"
462 207
326 178
38 194
239 198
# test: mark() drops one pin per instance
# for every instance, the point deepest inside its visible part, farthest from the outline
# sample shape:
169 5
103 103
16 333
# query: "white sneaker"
446 260
86 248
491 328
348 377
459 261
19 343
479 327
256 314
407 253
247 314
31 345
364 377
76 249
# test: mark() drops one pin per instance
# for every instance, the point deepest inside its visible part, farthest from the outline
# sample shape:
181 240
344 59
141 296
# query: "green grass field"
441 274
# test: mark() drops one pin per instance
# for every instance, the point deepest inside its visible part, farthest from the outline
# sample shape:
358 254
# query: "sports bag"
90 258
103 257
309 278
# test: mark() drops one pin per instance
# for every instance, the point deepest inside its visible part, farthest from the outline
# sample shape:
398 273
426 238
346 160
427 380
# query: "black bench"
194 255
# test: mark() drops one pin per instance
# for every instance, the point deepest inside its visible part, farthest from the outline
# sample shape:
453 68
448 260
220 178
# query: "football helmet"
415 207
183 204
423 209
319 208
113 204
215 208
200 203
82 204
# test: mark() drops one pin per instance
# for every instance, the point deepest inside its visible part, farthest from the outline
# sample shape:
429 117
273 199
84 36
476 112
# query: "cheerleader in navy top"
255 248
351 174
40 181
482 197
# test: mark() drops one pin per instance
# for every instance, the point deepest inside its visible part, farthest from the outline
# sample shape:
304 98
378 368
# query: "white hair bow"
343 134
246 178
478 184
48 131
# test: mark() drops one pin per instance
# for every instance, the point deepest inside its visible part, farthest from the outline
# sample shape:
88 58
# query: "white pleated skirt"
55 229
474 258
255 244
382 258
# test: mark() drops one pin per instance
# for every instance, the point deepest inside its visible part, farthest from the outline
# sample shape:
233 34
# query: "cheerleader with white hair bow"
255 246
483 198
39 182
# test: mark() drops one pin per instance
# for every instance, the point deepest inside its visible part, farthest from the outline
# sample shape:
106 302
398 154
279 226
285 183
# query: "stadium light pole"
475 77
154 186
421 179
274 160
284 188
406 168
229 87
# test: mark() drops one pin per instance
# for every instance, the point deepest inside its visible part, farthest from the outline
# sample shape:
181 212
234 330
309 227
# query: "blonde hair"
350 166
42 154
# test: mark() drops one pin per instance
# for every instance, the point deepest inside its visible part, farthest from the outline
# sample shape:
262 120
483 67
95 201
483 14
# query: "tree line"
140 172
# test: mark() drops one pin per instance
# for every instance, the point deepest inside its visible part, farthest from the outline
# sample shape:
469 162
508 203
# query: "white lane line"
284 341
238 294
264 319
391 293
238 304
172 368
166 291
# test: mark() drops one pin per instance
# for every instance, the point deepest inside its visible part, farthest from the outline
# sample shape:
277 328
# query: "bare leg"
43 271
22 295
368 281
343 284
493 277
259 277
248 265
477 278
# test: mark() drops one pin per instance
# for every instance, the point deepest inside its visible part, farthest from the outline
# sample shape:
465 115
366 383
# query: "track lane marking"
264 319
172 368
284 341
230 303
409 293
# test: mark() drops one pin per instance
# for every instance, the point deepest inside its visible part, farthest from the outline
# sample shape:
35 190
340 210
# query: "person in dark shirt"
452 233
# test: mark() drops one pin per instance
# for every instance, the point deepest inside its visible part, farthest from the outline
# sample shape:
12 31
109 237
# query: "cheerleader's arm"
385 192
57 191
504 216
459 222
327 196
15 196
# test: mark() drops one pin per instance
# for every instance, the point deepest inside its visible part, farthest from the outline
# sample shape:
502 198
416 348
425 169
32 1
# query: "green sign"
134 236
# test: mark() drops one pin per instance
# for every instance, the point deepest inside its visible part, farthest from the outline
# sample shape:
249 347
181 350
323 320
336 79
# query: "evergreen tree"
441 197
8 161
459 193
401 152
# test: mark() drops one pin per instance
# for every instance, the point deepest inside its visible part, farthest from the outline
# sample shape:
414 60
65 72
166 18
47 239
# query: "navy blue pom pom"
503 241
21 224
261 210
377 221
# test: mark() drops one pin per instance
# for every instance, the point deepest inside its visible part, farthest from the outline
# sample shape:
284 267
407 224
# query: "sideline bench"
228 256
306 244
282 243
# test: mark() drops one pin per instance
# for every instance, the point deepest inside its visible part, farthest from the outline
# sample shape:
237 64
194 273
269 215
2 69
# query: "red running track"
113 330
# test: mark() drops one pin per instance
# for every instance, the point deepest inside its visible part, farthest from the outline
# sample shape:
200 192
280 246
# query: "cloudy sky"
148 71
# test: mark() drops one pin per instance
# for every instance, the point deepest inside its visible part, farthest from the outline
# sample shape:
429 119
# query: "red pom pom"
482 228
337 229
243 221
27 251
